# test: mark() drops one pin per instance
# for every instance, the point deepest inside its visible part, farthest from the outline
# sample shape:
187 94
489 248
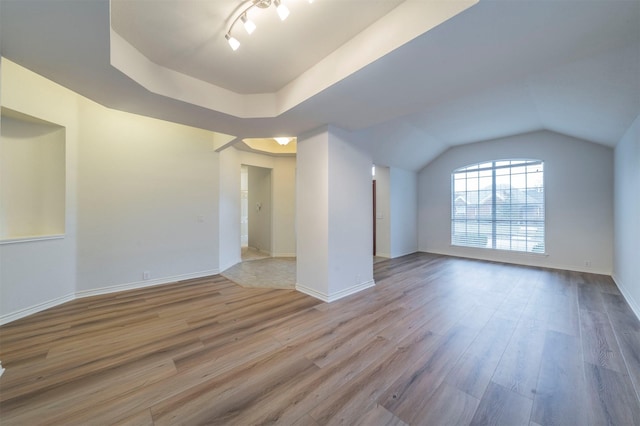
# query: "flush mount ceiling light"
249 25
283 141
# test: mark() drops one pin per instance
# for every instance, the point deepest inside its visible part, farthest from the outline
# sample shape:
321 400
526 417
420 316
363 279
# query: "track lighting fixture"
249 25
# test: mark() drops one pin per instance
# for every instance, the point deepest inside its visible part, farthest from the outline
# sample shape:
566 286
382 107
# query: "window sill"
492 250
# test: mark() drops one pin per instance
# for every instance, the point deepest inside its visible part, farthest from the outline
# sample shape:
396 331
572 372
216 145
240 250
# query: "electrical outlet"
146 275
587 263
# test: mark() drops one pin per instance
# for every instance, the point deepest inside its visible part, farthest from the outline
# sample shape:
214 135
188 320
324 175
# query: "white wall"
334 214
260 208
312 214
334 206
578 196
404 212
350 216
626 266
147 200
383 212
35 275
229 202
142 195
284 207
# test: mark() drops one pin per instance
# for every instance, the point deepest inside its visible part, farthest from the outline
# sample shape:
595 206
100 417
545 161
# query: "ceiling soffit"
188 36
401 25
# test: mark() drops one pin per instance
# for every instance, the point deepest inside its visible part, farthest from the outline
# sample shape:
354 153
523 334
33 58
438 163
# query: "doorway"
374 216
255 212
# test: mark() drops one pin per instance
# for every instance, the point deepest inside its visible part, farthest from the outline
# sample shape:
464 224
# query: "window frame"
530 220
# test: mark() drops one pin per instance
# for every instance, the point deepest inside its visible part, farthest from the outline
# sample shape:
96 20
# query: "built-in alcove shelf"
32 178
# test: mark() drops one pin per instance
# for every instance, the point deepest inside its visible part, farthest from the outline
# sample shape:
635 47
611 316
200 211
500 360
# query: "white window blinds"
499 205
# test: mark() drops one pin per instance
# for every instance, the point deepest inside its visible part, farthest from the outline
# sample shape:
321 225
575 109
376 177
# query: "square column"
334 215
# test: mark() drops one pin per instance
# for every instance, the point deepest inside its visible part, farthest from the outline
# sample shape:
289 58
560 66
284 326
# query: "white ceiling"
497 69
188 36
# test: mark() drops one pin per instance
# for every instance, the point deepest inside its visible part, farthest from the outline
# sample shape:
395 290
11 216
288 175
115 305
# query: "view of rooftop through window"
499 205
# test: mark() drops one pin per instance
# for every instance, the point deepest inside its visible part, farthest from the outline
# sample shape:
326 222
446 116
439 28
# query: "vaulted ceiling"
408 84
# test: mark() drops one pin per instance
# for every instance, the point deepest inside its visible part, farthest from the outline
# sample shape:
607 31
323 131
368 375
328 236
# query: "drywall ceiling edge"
404 23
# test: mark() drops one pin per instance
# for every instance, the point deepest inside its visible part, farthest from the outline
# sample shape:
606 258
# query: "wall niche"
32 178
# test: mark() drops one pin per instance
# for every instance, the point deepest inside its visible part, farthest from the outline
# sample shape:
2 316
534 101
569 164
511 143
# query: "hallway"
259 270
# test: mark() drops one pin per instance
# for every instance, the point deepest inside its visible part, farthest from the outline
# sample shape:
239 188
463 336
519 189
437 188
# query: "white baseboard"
146 283
404 253
351 290
311 292
625 293
535 260
229 265
284 255
21 313
389 256
7 318
335 296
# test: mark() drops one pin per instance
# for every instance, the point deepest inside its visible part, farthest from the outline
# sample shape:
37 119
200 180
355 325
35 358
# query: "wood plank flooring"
438 341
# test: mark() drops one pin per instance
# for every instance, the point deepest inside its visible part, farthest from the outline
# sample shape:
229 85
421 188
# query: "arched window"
499 205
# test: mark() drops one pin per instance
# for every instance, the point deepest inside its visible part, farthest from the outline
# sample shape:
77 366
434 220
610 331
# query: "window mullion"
493 206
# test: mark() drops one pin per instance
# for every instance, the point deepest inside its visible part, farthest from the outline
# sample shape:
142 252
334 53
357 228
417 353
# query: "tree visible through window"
499 205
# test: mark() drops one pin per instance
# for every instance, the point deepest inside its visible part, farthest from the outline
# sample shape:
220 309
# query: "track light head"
249 25
283 11
233 42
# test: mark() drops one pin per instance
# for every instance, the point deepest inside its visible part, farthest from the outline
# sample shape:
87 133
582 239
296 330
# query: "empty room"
318 212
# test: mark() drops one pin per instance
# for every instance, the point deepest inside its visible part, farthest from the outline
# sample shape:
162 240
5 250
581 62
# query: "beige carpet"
272 272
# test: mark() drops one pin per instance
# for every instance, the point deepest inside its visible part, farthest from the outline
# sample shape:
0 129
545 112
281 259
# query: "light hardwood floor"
438 341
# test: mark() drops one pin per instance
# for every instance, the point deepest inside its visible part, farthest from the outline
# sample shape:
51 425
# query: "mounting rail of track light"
248 24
